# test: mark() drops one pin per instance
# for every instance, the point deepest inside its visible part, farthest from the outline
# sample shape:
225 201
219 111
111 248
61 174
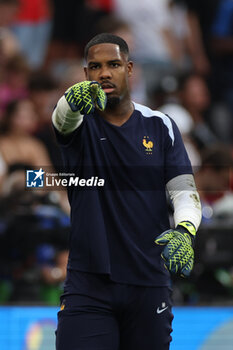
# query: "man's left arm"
178 253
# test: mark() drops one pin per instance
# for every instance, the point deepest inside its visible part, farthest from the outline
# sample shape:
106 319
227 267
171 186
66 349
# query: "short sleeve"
176 158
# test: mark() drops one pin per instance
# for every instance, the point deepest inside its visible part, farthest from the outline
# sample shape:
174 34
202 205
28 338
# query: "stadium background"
182 51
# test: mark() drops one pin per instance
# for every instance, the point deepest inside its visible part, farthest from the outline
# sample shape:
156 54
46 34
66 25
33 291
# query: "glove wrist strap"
189 229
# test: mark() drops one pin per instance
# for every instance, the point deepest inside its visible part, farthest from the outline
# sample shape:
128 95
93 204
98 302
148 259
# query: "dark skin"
112 69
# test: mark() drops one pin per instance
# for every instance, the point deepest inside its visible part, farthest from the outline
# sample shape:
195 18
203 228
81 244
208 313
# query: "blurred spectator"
118 26
210 23
44 94
187 101
54 270
8 42
214 183
212 281
16 143
15 81
71 74
20 118
222 47
201 16
33 241
150 23
18 146
194 40
185 124
73 26
65 40
32 27
195 98
187 31
161 32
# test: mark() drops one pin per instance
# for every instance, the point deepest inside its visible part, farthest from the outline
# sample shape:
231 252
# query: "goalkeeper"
117 294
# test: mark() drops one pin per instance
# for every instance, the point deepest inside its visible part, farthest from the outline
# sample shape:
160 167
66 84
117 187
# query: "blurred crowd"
183 66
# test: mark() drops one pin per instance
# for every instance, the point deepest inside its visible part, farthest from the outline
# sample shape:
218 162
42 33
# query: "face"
111 68
196 94
25 119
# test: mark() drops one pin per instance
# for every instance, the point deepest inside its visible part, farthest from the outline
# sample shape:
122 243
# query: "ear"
85 72
130 68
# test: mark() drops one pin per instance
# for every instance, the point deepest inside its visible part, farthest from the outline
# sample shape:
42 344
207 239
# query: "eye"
94 66
115 64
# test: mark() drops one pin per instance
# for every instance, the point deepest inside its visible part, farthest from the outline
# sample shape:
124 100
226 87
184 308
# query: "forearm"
64 119
195 46
178 252
185 199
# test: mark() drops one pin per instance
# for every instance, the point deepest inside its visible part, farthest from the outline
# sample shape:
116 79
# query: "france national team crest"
35 178
148 144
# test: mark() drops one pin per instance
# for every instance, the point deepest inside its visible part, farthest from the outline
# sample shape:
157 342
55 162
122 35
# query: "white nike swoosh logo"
103 138
159 311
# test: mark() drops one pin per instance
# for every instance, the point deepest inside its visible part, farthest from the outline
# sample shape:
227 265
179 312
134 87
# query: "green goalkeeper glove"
178 252
85 96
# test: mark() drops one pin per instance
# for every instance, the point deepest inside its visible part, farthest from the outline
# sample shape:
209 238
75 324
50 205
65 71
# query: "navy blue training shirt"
113 227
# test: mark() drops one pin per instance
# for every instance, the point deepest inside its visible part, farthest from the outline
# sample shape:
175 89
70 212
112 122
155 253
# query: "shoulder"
155 115
148 112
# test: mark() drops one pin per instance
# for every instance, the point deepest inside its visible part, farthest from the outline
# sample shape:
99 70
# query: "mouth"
108 87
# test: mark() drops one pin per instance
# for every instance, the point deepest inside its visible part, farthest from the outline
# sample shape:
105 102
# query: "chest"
137 144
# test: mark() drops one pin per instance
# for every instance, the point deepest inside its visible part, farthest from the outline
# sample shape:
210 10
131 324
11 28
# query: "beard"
112 102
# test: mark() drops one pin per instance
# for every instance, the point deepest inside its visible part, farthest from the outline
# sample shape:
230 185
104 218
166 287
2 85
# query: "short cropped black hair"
107 38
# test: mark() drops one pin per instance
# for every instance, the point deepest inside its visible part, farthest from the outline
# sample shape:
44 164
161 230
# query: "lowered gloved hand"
85 96
178 252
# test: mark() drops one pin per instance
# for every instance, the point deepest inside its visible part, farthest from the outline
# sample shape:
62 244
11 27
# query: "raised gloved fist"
178 253
85 96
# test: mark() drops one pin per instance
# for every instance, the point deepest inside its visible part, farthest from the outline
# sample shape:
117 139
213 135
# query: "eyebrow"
110 61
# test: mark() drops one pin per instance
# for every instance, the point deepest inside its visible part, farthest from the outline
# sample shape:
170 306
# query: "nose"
105 73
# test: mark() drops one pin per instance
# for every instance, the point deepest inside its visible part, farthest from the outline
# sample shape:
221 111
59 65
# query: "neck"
119 113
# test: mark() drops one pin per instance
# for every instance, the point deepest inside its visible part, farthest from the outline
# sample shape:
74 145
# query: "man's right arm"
81 98
64 119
